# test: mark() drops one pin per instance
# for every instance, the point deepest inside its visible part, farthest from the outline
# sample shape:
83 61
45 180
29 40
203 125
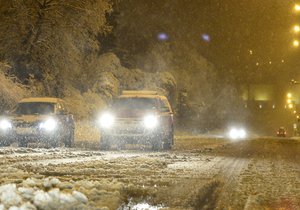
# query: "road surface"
199 173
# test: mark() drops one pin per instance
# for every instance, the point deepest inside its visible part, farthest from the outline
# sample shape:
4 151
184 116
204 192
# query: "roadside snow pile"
140 206
40 194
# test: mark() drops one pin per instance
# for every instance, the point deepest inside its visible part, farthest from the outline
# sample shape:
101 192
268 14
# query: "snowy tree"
52 40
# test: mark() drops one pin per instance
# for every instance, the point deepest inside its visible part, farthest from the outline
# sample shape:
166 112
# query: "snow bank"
40 194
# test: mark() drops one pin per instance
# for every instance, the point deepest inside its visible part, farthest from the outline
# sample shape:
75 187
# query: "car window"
34 108
134 103
164 104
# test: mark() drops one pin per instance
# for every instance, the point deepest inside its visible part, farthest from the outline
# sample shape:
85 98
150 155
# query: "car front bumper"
29 135
134 132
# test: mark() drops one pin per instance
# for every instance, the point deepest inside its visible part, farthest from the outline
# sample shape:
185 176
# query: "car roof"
141 94
40 99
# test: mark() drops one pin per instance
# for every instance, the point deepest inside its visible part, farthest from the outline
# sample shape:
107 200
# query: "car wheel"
69 141
104 143
121 145
167 145
4 142
157 143
156 146
54 143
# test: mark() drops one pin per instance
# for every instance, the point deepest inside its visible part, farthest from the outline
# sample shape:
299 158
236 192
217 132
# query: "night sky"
242 35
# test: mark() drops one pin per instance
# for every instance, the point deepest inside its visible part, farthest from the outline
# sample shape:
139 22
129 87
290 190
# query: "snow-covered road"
199 173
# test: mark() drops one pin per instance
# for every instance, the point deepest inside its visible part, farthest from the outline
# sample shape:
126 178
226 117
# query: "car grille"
128 127
25 124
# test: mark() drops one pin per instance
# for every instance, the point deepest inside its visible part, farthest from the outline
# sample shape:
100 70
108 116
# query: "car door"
166 115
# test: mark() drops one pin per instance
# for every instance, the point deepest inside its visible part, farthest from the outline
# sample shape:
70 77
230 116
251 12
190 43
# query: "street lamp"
296 43
296 28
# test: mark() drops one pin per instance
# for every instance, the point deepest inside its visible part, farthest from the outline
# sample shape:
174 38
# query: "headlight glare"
5 125
150 121
237 133
106 120
48 125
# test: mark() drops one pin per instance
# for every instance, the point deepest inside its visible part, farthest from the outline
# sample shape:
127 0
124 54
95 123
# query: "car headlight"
237 133
106 120
5 124
48 125
151 121
242 133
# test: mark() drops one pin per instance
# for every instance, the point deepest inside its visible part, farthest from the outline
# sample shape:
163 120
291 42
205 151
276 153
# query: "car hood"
29 118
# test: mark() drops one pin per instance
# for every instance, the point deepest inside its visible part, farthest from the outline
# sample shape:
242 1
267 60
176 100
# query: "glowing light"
106 120
237 133
257 63
295 111
49 125
296 43
289 101
282 61
289 95
162 36
296 28
150 121
206 37
250 52
270 62
291 106
297 7
5 124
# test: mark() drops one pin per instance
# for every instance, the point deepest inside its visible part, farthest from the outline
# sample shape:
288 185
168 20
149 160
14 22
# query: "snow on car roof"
40 99
141 94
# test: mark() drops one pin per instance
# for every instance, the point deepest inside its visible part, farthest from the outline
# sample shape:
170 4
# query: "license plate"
24 130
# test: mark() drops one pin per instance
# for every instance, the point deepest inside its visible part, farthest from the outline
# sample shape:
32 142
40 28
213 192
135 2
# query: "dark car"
138 117
43 120
281 132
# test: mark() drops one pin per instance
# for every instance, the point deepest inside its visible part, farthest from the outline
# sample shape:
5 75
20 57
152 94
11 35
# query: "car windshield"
134 103
34 108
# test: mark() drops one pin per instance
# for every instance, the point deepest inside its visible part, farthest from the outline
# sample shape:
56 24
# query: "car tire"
69 140
54 143
167 146
104 143
169 141
4 142
156 146
157 143
121 145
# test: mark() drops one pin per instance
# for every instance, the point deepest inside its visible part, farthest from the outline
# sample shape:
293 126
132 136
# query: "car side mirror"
6 112
164 109
62 112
